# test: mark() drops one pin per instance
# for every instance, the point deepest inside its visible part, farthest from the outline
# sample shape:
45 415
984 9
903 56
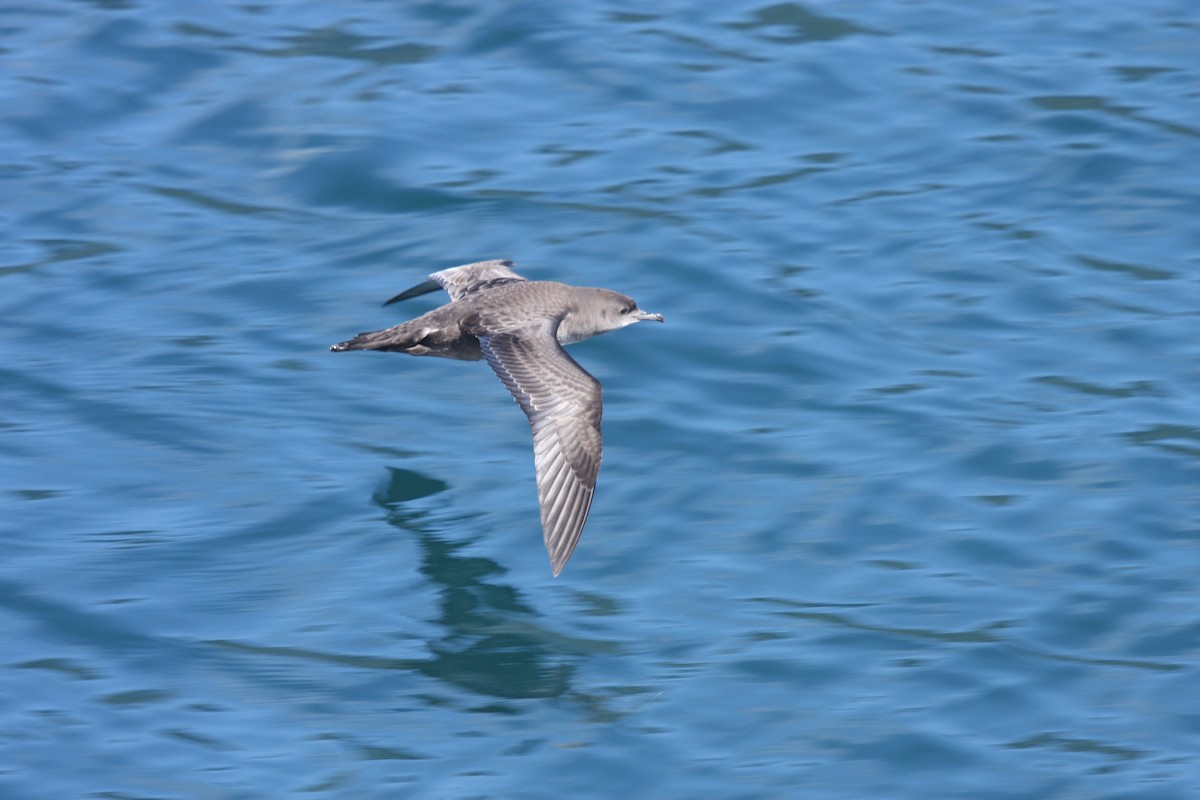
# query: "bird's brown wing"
462 281
470 278
563 403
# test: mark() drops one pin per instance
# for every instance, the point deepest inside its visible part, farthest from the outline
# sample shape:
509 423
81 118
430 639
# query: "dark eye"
626 309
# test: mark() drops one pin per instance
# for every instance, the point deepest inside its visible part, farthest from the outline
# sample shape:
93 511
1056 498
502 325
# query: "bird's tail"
377 340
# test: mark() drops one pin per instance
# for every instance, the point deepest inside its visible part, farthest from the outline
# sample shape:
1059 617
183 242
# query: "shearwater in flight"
520 326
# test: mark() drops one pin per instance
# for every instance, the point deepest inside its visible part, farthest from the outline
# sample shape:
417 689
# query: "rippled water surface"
901 502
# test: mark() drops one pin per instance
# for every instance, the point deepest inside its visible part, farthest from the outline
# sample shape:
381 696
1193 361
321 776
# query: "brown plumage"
520 327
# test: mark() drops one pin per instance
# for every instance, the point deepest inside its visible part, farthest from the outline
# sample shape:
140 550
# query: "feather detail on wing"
470 278
563 403
462 281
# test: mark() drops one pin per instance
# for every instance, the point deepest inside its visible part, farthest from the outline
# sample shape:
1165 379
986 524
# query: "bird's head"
601 311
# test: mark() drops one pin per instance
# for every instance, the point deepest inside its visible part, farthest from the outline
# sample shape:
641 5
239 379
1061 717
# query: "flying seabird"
520 326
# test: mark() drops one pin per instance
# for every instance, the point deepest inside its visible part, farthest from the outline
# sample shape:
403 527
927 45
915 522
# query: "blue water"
901 502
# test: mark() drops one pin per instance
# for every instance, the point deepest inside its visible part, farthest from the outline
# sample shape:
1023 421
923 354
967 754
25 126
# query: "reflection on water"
492 643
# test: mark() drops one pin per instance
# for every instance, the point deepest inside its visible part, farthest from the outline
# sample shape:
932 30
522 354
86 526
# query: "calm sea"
902 502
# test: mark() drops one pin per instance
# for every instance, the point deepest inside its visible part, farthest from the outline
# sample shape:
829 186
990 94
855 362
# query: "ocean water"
901 502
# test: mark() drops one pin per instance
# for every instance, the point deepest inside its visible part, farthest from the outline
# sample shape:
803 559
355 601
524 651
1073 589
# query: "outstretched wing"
563 403
462 281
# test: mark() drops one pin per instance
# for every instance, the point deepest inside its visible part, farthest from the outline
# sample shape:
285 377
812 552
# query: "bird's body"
520 328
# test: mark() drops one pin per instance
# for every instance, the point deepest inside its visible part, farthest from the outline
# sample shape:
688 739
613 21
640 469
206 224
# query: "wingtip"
416 291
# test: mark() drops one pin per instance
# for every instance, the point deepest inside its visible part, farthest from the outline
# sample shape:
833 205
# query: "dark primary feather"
424 287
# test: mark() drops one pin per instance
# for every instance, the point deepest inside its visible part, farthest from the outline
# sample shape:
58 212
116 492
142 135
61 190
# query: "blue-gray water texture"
900 503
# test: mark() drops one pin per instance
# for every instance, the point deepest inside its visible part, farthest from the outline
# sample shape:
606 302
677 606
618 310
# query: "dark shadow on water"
492 643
